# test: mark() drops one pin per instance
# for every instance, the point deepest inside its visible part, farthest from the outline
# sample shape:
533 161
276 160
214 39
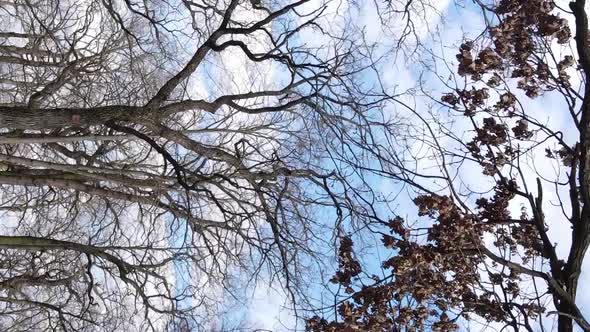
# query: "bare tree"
157 156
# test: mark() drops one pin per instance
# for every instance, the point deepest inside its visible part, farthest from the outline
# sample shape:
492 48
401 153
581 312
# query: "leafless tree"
157 156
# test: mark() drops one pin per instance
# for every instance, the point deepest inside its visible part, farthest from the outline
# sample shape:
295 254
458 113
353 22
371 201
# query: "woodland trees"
510 254
159 157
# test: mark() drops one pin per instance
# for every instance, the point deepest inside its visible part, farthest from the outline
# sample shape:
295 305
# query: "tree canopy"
160 156
161 160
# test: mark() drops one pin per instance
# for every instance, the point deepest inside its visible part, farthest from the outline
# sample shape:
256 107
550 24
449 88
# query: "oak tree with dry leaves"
516 116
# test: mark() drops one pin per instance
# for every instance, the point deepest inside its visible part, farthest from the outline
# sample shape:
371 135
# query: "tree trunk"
21 117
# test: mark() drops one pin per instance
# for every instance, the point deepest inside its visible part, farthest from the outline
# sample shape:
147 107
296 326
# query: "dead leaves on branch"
525 28
434 281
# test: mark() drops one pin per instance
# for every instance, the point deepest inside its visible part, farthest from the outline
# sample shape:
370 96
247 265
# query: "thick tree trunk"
22 117
564 323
